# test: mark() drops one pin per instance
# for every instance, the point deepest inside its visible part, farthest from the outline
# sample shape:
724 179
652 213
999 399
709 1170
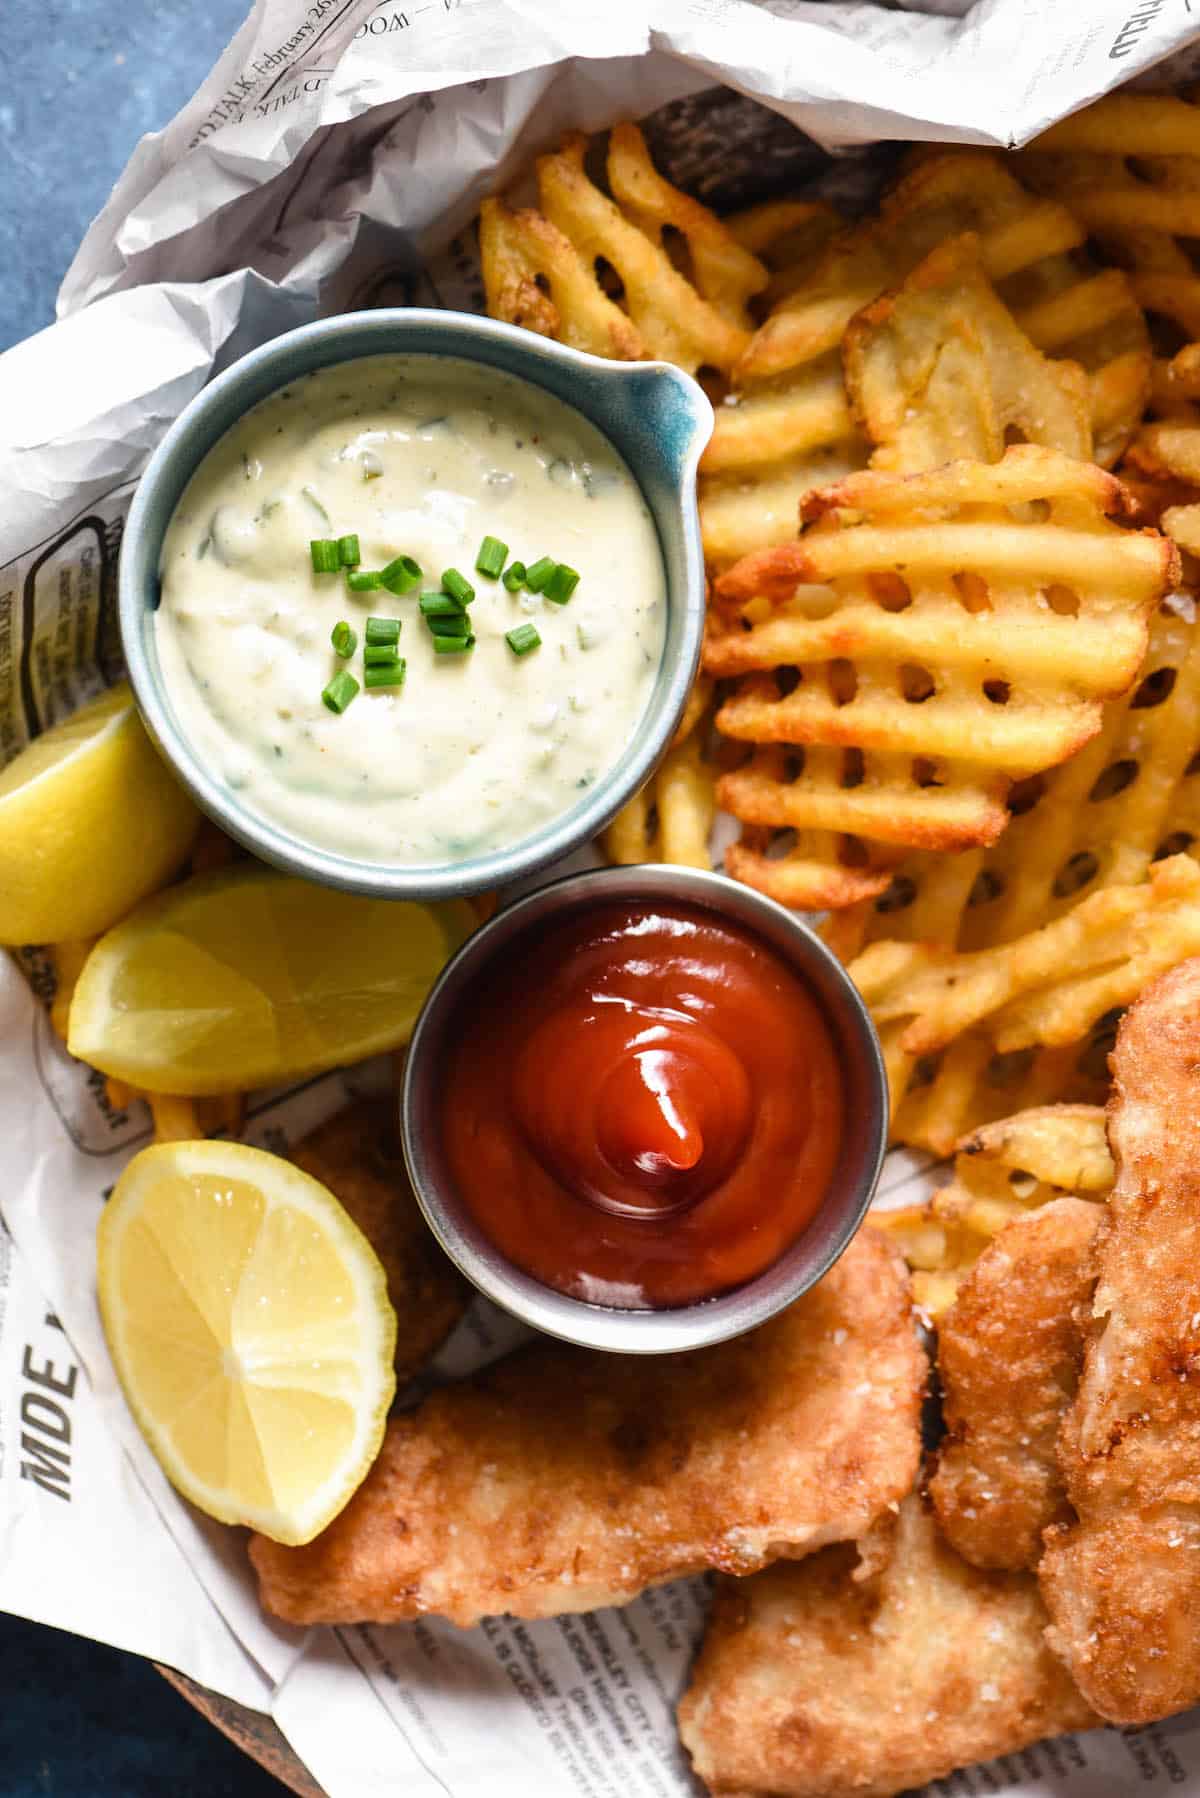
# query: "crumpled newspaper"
332 159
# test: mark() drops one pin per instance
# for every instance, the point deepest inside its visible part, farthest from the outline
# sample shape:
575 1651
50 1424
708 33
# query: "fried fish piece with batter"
561 1479
356 1154
814 1681
1122 1585
1009 1351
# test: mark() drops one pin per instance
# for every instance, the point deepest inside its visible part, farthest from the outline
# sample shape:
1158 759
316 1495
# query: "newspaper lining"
289 168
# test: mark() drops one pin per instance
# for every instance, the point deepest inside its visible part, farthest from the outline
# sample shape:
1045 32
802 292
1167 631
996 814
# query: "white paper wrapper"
330 160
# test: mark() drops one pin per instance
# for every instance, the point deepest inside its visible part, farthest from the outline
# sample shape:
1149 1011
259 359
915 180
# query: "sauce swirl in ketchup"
643 1106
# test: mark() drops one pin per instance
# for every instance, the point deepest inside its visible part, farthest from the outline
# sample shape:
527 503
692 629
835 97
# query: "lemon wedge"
249 1324
91 820
245 978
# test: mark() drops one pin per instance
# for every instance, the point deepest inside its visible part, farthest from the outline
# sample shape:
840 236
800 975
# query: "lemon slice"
91 820
244 978
249 1324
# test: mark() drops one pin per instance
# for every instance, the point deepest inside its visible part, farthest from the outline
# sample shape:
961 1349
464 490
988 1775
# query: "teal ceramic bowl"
656 418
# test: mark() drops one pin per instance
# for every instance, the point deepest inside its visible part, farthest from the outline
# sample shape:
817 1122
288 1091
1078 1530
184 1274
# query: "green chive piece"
440 605
457 586
453 646
444 624
537 576
522 639
514 576
491 558
324 553
365 581
343 638
376 654
562 584
401 576
340 691
383 630
348 554
386 674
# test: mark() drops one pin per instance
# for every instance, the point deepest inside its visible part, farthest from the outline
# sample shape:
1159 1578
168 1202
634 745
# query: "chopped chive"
452 646
348 554
340 691
522 638
386 674
562 584
445 624
457 586
383 630
324 553
364 581
401 576
440 605
491 558
514 576
376 654
537 576
343 638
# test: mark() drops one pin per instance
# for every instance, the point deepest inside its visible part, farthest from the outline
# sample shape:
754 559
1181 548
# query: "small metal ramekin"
657 419
708 1320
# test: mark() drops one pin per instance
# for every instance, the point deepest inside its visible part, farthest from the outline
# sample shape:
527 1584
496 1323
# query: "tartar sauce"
420 456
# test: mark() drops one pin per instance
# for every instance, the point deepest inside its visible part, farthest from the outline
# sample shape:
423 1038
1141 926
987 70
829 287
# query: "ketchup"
643 1106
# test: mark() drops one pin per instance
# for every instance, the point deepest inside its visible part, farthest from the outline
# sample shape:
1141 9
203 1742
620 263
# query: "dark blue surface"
81 83
81 1721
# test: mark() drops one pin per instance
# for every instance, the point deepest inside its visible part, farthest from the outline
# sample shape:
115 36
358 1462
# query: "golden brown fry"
814 1681
721 267
1123 1584
1049 987
670 819
1030 252
356 1154
1001 1172
1130 795
1009 1351
178 1119
533 277
940 371
671 317
915 650
575 1479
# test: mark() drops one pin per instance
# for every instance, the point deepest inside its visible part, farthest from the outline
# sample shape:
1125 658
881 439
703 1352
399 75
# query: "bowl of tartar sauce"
412 600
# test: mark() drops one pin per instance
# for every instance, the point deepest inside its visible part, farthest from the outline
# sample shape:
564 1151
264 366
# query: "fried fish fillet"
815 1682
1123 1584
560 1479
357 1156
1009 1351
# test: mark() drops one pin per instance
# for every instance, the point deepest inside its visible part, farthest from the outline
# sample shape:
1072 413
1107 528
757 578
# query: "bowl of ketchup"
644 1108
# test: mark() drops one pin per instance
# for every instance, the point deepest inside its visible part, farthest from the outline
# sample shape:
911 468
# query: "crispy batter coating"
1123 1584
356 1155
561 1479
1009 1351
817 1682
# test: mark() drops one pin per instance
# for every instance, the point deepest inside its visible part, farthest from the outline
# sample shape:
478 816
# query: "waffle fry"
1030 249
1000 1171
548 270
1127 168
940 371
841 633
1130 796
1167 452
534 279
671 818
1031 1018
